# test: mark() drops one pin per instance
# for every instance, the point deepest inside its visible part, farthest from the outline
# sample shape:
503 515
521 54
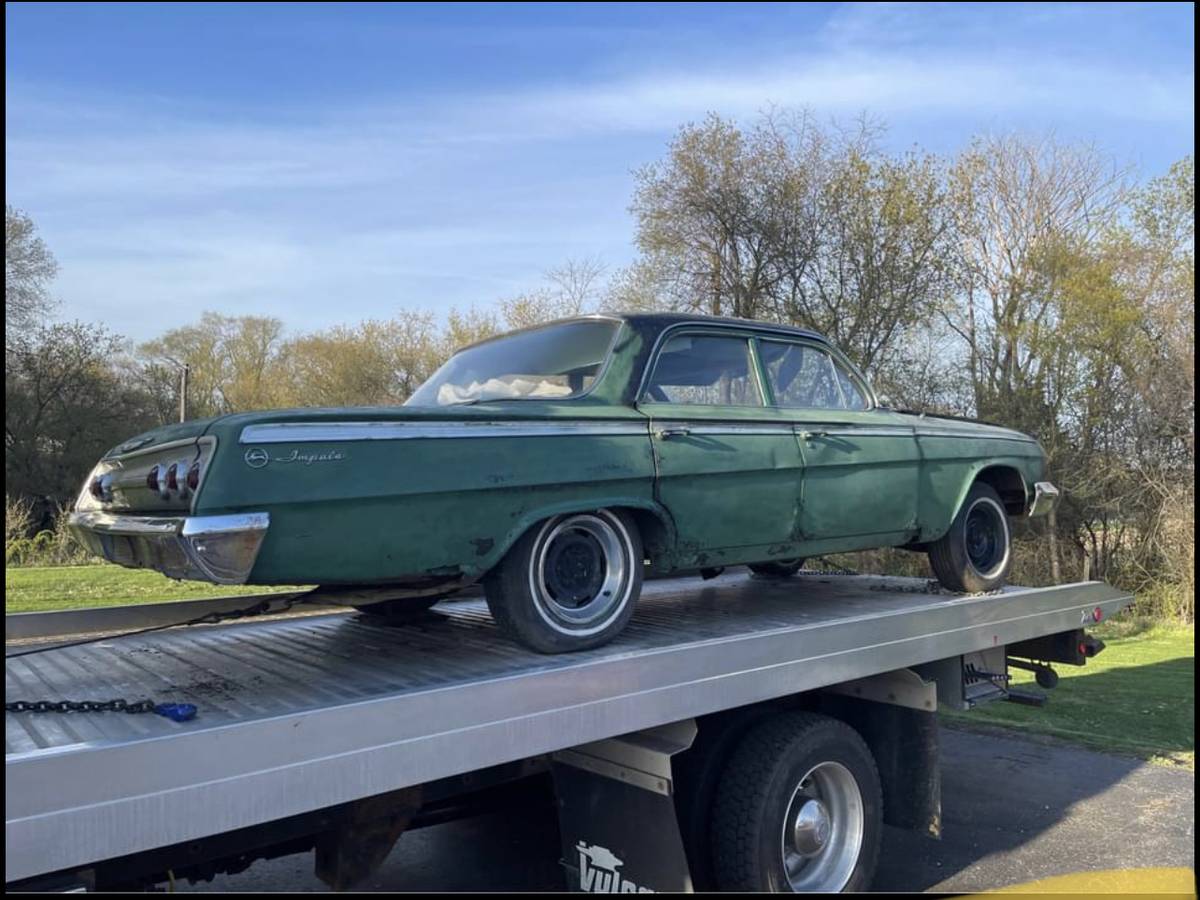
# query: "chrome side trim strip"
816 429
310 432
724 428
974 435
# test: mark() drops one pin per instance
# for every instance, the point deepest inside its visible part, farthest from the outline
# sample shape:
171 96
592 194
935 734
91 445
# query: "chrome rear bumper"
220 549
1045 496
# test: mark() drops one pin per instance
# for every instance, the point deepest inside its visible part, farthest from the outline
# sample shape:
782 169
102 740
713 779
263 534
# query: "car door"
728 467
861 465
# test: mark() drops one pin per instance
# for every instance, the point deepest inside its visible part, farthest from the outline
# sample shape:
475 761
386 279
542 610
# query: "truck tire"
780 568
976 553
569 583
799 808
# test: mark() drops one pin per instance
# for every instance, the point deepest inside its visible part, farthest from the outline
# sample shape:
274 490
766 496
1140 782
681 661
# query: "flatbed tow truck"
742 733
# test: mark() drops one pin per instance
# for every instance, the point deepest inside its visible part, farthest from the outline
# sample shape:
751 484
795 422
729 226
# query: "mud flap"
616 811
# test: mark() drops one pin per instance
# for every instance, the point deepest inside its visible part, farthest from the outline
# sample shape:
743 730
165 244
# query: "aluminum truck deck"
302 714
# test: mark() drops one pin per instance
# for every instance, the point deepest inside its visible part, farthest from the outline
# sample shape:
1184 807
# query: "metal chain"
177 712
831 568
931 585
65 706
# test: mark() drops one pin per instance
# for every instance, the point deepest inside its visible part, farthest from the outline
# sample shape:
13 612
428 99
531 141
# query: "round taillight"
193 476
172 480
152 478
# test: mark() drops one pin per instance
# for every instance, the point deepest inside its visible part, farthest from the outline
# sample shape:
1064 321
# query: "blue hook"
177 712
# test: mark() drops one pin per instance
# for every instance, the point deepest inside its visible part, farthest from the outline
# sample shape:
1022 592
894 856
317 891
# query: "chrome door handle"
674 432
809 435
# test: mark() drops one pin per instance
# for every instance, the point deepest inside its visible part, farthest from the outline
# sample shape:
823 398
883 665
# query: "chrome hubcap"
810 832
581 575
823 829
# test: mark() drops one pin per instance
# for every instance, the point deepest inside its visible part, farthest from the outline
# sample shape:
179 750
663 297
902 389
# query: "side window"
709 371
852 395
803 376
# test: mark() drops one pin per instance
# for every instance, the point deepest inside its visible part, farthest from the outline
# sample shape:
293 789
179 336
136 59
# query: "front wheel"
976 553
799 808
569 583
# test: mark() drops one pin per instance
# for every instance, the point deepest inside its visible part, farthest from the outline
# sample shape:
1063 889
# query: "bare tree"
29 267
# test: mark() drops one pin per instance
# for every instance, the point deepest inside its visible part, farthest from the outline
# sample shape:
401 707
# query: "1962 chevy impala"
556 462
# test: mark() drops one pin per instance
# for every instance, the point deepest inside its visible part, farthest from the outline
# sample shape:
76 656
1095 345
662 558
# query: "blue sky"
326 163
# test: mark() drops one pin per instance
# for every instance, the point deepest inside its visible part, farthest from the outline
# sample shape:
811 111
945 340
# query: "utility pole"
183 386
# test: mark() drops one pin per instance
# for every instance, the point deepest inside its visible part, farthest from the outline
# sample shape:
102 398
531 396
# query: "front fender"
1017 468
945 487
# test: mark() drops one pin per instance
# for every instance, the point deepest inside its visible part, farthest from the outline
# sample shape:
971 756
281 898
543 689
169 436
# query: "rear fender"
655 524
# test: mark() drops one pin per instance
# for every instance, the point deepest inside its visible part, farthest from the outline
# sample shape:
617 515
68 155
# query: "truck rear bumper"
220 549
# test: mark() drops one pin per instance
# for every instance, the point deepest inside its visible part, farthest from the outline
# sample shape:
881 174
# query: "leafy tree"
373 363
791 223
64 408
230 362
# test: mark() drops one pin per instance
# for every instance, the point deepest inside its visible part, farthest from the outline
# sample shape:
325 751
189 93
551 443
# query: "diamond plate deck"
299 714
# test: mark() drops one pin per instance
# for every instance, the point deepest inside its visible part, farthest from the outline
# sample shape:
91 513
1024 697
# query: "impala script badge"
257 457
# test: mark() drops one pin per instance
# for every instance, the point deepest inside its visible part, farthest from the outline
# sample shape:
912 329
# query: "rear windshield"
556 362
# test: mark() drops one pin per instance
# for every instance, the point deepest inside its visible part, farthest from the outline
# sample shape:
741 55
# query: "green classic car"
558 464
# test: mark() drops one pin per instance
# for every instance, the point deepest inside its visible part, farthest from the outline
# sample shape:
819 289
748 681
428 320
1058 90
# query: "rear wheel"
569 583
779 568
976 553
799 808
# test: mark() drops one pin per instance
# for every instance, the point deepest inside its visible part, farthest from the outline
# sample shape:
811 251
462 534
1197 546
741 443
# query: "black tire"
775 776
975 555
780 568
569 583
399 608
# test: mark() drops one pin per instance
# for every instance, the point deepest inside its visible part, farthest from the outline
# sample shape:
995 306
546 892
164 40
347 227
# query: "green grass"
1136 698
36 588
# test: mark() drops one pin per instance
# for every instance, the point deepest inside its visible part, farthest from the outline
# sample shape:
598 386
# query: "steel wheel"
985 536
975 554
798 807
570 582
823 829
581 574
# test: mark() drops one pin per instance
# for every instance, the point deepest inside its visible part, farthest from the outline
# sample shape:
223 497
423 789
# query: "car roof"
651 324
660 321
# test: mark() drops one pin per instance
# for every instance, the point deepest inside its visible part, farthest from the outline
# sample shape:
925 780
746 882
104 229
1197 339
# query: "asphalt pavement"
1013 809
